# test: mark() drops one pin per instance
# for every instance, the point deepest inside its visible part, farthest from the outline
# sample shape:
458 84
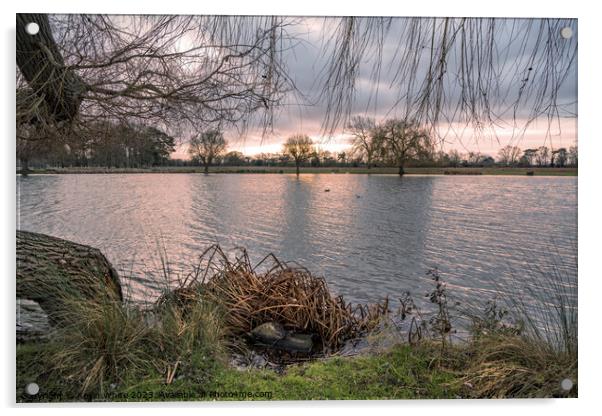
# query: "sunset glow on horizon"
562 133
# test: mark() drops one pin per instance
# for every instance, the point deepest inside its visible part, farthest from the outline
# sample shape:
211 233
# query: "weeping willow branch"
168 70
472 71
219 71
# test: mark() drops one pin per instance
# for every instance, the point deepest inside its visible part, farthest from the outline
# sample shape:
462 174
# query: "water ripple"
370 236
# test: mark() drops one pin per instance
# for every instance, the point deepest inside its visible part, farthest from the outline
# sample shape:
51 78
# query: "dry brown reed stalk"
285 293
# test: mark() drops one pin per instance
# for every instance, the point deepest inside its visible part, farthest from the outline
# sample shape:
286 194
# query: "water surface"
369 235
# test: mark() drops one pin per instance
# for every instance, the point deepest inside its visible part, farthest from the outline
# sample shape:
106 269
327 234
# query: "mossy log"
52 271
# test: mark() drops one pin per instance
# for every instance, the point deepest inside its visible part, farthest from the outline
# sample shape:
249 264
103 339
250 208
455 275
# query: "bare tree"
234 158
28 149
403 140
207 146
455 158
167 71
509 155
529 156
177 71
365 143
573 156
299 147
559 157
474 158
543 156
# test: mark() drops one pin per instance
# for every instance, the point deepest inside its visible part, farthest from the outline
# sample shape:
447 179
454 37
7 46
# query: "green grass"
401 373
313 170
404 372
493 367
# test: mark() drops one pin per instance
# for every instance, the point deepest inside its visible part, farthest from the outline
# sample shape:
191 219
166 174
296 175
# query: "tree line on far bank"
391 143
101 144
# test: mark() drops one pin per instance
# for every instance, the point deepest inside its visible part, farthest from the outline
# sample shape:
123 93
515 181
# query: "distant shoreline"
291 170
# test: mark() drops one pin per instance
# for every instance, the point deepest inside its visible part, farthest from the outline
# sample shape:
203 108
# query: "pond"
369 235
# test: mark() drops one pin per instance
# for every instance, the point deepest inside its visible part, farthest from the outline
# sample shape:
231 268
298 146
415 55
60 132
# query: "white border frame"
590 150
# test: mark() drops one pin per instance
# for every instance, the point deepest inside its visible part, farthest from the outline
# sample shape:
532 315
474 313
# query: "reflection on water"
370 235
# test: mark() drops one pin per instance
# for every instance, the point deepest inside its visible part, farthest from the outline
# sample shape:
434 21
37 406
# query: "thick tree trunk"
401 171
206 168
24 166
43 66
52 271
297 165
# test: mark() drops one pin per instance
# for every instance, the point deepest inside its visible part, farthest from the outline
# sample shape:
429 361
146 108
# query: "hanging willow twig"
167 70
175 71
473 71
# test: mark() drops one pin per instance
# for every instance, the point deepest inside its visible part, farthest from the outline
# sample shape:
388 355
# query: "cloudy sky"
520 55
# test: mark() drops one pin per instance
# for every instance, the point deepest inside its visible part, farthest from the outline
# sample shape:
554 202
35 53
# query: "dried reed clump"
288 294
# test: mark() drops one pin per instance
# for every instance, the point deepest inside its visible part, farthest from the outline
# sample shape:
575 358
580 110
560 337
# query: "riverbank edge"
499 171
103 349
401 371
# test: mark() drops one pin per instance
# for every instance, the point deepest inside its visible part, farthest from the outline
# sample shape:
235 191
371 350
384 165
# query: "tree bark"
297 165
42 65
52 271
401 171
24 166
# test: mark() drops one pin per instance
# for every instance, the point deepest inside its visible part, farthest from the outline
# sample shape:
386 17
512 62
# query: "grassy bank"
291 170
403 372
181 348
498 367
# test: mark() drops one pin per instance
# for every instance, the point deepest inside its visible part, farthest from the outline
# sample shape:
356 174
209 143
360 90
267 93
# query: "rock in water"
296 343
273 334
268 333
32 321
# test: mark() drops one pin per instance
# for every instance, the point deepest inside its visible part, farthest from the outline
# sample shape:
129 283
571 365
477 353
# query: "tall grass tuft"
99 343
511 366
532 357
111 343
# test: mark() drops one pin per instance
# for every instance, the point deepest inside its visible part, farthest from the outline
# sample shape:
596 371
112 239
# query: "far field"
278 169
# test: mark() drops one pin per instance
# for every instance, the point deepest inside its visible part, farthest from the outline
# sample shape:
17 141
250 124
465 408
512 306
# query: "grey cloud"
384 97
